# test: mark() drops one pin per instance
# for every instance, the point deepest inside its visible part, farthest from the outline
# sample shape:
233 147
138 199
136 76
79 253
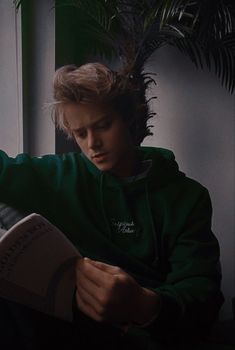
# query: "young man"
150 269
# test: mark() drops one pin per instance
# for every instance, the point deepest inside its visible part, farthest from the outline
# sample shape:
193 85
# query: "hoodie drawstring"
103 206
153 228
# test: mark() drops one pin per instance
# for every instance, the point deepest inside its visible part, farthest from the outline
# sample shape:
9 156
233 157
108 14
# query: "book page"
2 232
37 266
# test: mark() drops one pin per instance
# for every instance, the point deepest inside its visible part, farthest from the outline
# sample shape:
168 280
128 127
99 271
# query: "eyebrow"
94 124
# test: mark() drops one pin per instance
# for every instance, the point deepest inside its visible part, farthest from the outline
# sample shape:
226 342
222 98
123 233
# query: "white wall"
11 136
196 119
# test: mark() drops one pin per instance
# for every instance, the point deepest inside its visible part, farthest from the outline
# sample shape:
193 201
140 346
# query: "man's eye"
81 135
104 125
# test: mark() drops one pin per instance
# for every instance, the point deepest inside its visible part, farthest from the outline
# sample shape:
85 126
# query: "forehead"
85 115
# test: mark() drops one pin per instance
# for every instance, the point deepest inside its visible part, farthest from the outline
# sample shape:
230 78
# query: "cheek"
118 133
114 140
122 137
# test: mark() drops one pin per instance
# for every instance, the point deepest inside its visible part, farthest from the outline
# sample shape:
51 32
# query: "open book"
37 266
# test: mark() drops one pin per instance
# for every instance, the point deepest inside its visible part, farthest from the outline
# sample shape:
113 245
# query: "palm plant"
132 30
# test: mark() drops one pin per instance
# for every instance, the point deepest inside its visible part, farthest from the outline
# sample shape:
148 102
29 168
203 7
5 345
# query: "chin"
103 167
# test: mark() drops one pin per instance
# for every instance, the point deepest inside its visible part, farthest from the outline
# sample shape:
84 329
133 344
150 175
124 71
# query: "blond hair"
94 82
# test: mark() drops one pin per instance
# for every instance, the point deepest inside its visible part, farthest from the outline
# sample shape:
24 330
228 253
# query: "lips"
99 155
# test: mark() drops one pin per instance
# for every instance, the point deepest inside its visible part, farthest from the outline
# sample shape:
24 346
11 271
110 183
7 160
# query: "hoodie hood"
164 169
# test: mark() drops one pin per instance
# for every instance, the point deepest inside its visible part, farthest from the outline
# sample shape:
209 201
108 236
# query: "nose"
94 141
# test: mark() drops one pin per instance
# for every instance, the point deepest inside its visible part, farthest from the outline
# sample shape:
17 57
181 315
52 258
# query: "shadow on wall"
196 119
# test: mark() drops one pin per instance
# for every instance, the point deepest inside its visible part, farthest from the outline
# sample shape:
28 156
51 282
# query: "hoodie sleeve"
27 183
191 296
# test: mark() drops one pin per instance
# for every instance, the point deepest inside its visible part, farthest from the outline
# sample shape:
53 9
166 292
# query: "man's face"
103 137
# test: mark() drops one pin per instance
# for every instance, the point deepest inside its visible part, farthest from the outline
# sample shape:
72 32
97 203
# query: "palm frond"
185 25
223 56
218 56
134 29
214 35
97 22
166 10
215 19
94 10
164 29
17 3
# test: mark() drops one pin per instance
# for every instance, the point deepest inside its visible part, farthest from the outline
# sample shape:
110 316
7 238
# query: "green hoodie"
157 226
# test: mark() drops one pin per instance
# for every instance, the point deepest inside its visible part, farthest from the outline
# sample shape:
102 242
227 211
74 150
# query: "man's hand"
107 293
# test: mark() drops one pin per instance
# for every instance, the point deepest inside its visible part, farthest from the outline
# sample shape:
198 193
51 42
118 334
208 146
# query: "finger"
86 282
112 269
89 299
93 273
86 308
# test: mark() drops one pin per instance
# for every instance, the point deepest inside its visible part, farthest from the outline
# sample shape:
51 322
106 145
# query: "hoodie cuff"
155 316
171 310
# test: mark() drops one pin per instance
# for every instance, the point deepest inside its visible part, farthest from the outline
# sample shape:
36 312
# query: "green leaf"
133 30
17 3
219 57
